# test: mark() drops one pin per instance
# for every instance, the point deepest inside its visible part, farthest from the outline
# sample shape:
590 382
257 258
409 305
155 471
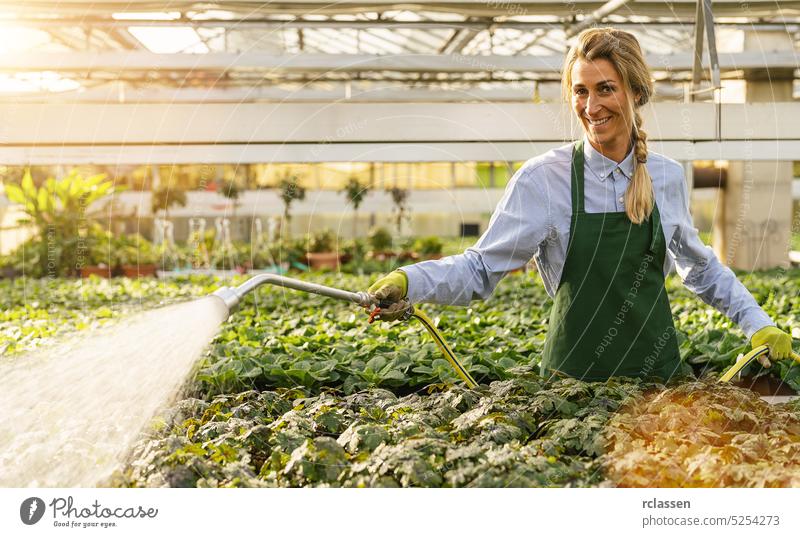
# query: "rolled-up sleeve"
703 274
519 224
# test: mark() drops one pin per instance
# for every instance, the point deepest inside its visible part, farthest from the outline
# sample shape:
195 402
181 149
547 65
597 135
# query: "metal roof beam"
251 8
274 24
596 16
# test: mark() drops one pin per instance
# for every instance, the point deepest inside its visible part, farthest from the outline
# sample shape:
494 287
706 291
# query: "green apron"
611 315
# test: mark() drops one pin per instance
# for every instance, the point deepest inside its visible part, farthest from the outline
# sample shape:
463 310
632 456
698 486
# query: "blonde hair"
622 50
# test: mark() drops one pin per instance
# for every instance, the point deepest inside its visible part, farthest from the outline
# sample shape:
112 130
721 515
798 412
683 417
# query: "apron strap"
577 178
655 228
576 191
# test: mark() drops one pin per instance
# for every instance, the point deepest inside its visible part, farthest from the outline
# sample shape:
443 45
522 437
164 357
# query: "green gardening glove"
778 341
391 290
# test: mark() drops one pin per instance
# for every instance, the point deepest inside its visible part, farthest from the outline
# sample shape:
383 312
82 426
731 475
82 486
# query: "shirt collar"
604 166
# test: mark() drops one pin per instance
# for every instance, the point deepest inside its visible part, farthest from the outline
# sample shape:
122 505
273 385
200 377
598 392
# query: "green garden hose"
745 360
445 348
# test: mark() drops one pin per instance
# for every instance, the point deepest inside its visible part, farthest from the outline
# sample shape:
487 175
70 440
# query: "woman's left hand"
778 341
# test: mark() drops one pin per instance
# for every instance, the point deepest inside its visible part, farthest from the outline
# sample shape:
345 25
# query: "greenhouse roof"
251 50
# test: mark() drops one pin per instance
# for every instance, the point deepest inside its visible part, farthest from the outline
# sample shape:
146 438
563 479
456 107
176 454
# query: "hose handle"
384 304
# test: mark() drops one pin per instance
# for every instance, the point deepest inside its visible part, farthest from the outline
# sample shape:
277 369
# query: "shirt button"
620 200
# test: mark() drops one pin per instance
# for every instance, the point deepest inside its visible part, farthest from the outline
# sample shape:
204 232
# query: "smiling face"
601 103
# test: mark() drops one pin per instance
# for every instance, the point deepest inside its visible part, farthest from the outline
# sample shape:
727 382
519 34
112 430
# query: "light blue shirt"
532 221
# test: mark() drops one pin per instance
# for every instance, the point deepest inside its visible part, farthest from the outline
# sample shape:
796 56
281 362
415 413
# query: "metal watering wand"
232 296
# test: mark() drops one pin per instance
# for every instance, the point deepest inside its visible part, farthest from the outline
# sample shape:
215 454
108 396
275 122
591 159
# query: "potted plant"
23 261
8 269
428 247
243 254
321 250
224 258
380 243
137 256
353 250
289 253
61 211
400 200
230 190
94 254
165 197
355 192
177 257
290 190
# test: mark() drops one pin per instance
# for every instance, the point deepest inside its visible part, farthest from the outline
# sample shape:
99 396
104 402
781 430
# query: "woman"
605 219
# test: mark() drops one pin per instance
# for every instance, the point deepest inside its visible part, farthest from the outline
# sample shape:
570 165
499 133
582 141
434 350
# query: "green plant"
134 250
380 239
526 431
288 251
354 248
400 200
60 210
230 190
176 257
322 241
98 247
224 258
355 192
428 245
200 246
165 197
298 390
26 258
290 190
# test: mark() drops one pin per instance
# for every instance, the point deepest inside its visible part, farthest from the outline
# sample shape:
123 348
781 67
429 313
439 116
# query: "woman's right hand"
391 290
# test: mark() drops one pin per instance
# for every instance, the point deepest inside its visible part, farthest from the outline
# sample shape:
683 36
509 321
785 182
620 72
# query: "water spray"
232 297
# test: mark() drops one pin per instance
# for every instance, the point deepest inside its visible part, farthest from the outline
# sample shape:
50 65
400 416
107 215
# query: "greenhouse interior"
342 244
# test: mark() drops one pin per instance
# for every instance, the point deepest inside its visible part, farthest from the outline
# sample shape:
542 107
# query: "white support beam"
209 133
433 152
368 152
332 92
212 123
348 91
122 61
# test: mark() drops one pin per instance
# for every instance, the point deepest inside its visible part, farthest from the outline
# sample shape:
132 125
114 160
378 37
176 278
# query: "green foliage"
60 210
297 390
428 246
322 241
400 200
355 192
230 190
134 250
522 432
165 197
290 190
380 239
